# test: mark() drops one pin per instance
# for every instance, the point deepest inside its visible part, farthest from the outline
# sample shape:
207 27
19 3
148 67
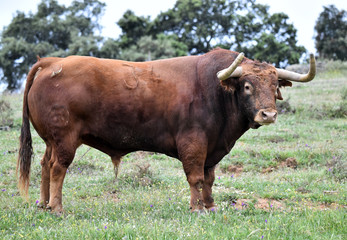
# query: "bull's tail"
25 147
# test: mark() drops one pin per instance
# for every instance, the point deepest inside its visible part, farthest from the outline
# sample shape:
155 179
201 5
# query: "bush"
326 67
344 94
284 107
338 169
334 66
6 112
336 110
339 111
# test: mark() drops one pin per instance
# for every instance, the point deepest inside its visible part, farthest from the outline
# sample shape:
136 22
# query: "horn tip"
240 57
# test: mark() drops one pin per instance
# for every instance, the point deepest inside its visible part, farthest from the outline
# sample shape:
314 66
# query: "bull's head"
257 86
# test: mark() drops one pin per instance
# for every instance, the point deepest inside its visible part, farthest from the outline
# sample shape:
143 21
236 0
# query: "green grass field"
285 181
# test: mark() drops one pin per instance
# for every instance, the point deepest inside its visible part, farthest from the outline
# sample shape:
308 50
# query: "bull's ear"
229 84
284 83
279 94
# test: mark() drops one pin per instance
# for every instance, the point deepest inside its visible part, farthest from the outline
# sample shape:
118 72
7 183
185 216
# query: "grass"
264 198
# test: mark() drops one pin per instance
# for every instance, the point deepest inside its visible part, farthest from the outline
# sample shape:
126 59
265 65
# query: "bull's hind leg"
192 153
45 177
62 156
207 189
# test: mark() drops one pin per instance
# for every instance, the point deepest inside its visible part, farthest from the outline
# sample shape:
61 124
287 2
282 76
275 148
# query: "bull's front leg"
207 189
192 153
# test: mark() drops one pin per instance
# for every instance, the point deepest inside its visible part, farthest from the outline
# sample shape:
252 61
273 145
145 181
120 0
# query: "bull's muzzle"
266 116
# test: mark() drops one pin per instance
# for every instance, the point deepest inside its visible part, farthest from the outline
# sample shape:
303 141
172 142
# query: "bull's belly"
121 140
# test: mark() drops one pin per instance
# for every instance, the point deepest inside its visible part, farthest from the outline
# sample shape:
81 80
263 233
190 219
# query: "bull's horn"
233 70
297 77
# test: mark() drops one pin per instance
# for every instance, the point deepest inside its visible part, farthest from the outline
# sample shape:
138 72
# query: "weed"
6 112
344 94
327 111
284 107
338 169
139 177
335 66
229 198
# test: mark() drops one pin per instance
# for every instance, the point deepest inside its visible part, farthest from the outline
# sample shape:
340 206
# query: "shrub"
284 107
344 94
6 112
336 110
338 169
334 66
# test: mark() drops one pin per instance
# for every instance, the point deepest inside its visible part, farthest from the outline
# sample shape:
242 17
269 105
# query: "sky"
302 13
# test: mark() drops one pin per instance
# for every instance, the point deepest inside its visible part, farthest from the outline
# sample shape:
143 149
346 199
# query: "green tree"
140 42
241 25
267 37
133 28
55 30
331 33
200 24
110 49
148 48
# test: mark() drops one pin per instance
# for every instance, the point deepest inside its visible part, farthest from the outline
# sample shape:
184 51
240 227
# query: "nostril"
270 116
264 115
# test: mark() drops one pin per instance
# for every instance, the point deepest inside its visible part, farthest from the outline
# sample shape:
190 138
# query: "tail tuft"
25 147
24 158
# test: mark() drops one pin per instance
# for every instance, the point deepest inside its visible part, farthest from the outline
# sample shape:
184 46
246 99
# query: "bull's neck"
236 124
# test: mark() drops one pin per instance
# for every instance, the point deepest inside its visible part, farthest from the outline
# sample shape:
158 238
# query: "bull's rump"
109 104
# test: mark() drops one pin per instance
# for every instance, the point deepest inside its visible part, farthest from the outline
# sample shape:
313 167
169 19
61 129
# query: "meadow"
284 181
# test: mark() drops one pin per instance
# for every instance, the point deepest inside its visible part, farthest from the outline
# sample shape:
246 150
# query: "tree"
331 33
133 28
200 24
140 42
148 48
110 49
240 25
267 37
55 30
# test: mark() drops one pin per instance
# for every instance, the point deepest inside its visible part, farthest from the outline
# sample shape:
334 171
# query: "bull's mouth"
265 123
255 125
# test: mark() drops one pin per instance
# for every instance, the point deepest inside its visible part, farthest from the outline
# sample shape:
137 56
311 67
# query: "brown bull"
191 108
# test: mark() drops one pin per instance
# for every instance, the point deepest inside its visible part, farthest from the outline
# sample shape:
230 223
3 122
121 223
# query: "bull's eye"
248 88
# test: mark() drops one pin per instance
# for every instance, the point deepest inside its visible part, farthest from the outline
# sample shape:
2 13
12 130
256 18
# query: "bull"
192 108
